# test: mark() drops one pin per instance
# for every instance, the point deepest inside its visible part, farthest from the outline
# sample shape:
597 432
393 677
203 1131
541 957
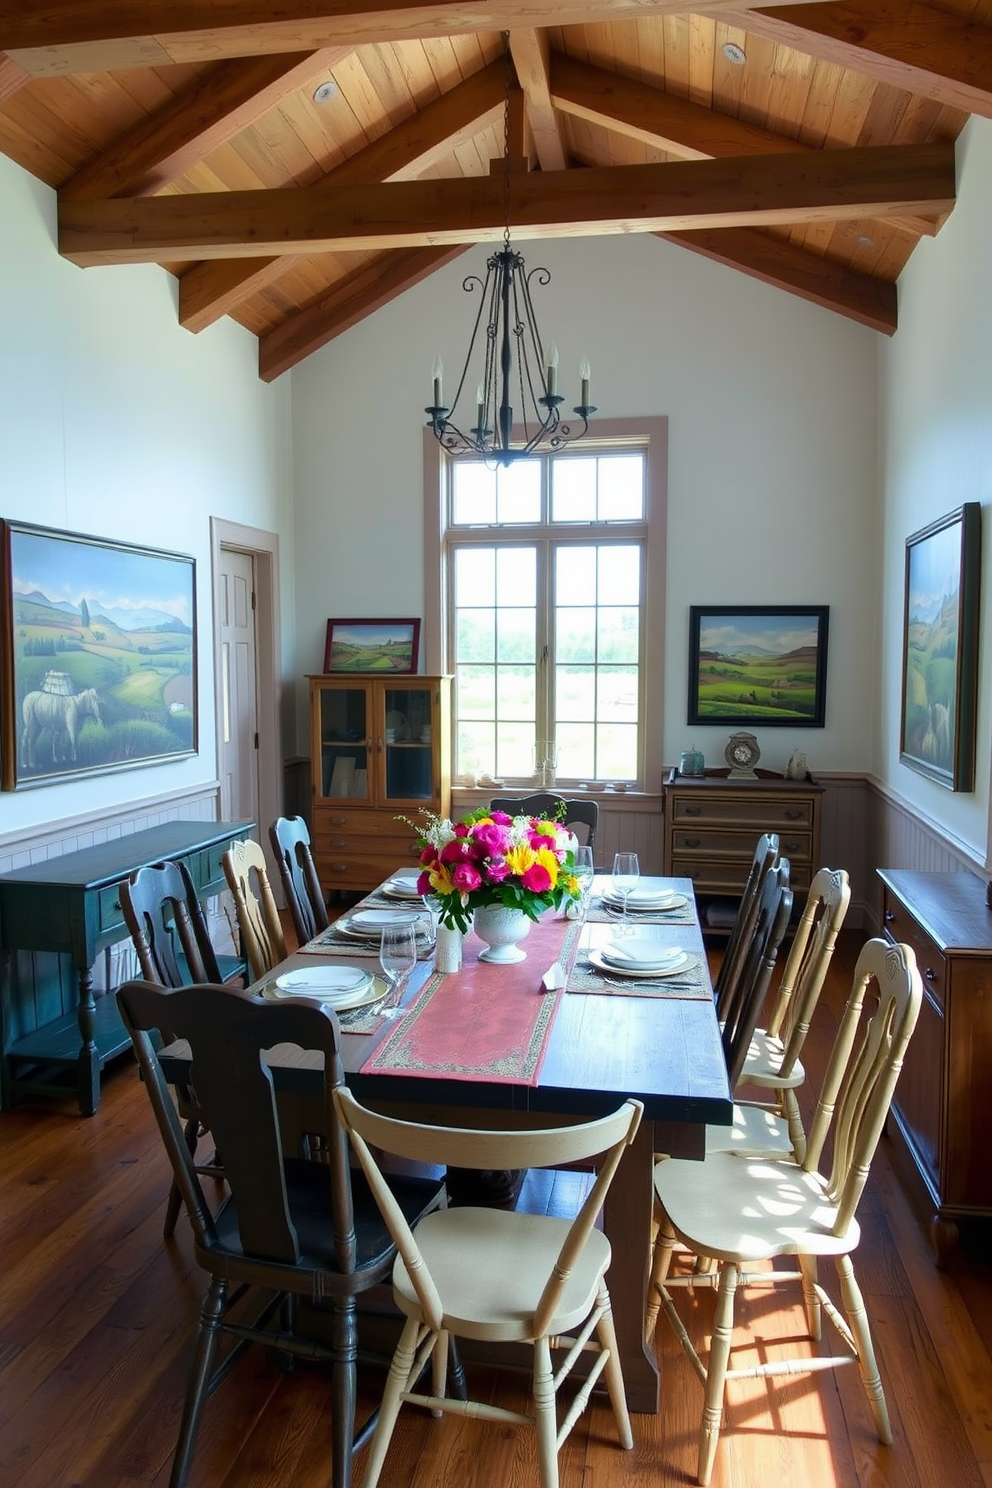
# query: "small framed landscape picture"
758 664
381 646
940 648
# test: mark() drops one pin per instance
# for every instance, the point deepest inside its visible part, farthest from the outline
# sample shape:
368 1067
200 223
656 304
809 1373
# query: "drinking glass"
430 919
626 872
397 957
584 872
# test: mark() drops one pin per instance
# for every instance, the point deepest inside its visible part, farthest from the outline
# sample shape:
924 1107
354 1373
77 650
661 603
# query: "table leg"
627 1220
89 1058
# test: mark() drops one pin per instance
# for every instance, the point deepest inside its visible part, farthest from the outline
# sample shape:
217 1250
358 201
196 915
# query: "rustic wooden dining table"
628 1038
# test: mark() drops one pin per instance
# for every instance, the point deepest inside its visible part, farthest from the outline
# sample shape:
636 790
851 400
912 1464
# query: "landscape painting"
99 648
940 648
752 664
381 646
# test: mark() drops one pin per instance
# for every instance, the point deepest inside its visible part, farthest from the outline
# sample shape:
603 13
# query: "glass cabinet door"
345 743
408 744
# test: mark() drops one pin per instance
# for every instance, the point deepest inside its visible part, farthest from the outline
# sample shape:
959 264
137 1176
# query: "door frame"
264 549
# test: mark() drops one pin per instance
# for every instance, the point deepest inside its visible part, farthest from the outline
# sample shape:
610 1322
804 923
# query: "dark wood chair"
291 1230
742 1010
290 841
571 813
168 928
735 952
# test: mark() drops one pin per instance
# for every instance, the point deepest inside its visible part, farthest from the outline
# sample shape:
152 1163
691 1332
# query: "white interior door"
239 686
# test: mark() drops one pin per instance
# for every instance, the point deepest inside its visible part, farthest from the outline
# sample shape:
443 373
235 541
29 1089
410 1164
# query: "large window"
544 582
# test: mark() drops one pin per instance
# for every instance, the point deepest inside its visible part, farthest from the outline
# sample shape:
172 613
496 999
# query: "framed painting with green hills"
940 648
99 656
763 665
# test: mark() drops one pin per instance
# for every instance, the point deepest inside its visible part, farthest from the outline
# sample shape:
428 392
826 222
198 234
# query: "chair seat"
498 1301
756 1131
750 1209
764 1060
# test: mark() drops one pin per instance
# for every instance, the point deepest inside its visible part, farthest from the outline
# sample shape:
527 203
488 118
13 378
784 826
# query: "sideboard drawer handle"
691 841
791 847
339 867
339 842
930 975
693 810
339 821
793 815
890 915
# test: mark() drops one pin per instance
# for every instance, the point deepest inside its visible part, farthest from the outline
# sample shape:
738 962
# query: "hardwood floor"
96 1310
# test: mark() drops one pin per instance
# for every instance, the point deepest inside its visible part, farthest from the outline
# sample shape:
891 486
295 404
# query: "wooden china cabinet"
380 748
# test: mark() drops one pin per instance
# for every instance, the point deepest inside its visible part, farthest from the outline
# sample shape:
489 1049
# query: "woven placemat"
690 985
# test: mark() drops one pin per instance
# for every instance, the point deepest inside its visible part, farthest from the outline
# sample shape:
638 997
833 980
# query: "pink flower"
537 879
492 838
501 819
456 850
497 870
466 877
424 883
461 829
541 839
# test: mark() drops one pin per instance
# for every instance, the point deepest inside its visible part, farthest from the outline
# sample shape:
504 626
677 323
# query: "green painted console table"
70 906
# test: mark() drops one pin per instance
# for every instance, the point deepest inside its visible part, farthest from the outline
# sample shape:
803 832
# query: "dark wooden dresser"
940 1115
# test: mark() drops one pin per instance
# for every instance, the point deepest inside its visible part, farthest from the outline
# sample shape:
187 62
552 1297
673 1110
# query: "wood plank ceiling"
809 145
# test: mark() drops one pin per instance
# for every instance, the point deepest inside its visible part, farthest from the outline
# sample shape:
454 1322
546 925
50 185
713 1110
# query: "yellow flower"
441 880
519 859
547 858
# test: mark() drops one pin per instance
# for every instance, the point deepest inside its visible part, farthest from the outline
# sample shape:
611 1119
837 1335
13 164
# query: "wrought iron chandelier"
510 356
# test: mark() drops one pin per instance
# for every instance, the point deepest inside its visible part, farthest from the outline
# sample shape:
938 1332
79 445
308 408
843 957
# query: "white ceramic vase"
502 929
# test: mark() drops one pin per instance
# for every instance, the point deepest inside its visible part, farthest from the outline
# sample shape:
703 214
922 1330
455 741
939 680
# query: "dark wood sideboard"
940 1113
57 1035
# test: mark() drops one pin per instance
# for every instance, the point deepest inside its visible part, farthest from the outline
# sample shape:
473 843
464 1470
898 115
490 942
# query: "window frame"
648 434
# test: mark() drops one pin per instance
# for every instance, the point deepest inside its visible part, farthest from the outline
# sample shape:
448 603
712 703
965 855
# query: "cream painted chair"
747 1210
262 940
497 1275
773 1057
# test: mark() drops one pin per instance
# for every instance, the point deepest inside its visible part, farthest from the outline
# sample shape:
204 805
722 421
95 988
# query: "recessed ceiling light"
865 241
325 92
734 53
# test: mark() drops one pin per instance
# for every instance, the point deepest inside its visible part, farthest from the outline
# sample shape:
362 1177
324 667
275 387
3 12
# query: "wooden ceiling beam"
762 190
906 43
345 305
218 104
531 55
654 117
215 288
51 37
12 76
823 281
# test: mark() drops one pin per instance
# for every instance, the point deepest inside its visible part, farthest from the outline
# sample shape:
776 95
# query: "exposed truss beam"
657 118
212 289
52 37
825 185
222 101
531 59
813 277
12 76
345 305
906 43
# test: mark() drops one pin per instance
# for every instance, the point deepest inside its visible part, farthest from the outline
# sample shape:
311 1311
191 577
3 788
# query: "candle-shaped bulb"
480 401
437 372
552 370
584 374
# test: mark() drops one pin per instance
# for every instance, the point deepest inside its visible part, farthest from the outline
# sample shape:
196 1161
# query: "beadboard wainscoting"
899 837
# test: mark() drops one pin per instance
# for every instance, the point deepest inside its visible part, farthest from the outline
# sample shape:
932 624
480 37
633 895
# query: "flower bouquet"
490 858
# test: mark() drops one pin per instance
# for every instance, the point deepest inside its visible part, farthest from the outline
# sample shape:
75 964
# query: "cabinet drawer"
900 925
725 842
208 872
720 876
110 916
359 870
760 813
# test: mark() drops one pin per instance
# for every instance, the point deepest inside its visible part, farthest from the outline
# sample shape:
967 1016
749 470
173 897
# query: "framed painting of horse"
99 656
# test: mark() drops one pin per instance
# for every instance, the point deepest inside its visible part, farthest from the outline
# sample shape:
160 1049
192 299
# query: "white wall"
937 419
772 405
116 422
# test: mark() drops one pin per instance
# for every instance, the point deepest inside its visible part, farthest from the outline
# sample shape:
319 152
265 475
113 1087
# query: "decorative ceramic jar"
502 929
691 762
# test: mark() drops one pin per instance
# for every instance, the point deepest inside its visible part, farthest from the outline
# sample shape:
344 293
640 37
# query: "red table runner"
483 1022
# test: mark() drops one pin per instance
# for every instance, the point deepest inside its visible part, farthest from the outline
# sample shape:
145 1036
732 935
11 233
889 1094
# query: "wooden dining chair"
735 952
290 840
169 932
247 875
497 1275
741 1011
291 1230
746 1211
570 812
772 1061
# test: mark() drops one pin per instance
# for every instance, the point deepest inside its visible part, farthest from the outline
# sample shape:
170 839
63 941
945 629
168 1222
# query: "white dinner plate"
333 984
403 887
672 969
642 950
366 922
362 997
645 901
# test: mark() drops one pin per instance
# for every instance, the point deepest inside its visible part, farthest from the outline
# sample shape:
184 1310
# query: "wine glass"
583 870
626 872
397 957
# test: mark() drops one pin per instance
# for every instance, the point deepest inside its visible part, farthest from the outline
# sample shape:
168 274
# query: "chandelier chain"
508 84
